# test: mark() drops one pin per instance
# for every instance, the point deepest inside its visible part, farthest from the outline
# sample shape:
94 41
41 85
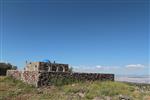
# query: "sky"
90 35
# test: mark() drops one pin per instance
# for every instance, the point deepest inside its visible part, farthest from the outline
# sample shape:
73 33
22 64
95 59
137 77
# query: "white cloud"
134 66
95 69
107 67
99 66
119 70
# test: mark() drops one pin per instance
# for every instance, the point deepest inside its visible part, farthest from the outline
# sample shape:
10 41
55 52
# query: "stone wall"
14 74
43 78
30 77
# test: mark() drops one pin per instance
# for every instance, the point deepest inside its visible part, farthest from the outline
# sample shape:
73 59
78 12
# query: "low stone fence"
44 78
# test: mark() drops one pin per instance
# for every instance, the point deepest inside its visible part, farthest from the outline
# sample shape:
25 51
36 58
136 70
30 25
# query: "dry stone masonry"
41 73
45 77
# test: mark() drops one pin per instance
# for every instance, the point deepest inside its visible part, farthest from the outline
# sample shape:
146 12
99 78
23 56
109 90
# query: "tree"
6 66
70 69
14 67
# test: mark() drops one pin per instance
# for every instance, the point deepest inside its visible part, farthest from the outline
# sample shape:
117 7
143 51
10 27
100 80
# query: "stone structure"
40 74
46 67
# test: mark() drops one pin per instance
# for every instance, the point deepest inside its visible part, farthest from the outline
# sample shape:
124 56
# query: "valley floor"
134 79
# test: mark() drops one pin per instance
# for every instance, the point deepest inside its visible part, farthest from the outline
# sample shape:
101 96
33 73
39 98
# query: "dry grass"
16 90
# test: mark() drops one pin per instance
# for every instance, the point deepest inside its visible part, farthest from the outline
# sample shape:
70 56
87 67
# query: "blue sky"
90 35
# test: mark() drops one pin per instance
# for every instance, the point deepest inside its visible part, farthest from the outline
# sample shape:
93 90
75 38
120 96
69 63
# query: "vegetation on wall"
60 81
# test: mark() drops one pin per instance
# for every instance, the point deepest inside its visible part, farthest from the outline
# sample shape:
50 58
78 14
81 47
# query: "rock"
122 97
108 98
98 98
81 94
73 85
